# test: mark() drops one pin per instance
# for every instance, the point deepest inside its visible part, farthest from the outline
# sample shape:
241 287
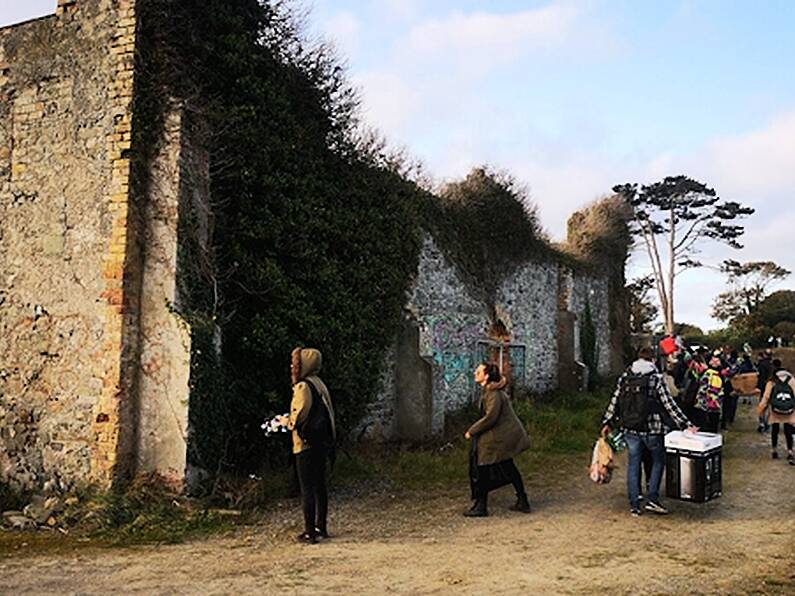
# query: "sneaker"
774 455
634 512
321 533
791 460
656 508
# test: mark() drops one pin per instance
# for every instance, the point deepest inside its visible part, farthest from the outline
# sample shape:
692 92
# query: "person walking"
314 432
642 407
709 399
764 368
730 369
496 438
696 367
777 401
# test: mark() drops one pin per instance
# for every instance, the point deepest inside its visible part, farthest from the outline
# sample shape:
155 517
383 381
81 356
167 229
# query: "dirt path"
580 539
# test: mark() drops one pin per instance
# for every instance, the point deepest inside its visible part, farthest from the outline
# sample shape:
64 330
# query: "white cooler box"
693 466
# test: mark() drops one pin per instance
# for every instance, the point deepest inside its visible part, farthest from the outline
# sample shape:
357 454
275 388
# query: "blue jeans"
635 443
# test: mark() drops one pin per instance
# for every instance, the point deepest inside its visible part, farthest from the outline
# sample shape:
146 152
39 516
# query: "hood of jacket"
643 367
783 375
311 361
496 385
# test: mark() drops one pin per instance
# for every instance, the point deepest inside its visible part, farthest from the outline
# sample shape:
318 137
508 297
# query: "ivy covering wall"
314 238
312 234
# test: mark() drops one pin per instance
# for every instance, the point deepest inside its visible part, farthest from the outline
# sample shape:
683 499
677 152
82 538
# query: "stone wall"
87 258
450 323
455 331
581 289
527 303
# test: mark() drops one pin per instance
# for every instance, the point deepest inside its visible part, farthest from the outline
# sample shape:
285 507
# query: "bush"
487 226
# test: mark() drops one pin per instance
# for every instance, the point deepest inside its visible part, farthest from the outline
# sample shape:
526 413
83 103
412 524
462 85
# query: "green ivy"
314 241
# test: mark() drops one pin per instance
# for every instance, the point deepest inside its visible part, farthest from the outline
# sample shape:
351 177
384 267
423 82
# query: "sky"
575 96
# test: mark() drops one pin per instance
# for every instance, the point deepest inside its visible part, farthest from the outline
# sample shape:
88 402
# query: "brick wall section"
69 268
94 362
110 437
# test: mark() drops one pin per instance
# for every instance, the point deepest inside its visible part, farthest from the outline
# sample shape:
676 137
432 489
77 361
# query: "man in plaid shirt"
663 413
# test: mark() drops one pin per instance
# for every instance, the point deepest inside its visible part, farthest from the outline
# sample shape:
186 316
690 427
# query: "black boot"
522 504
479 509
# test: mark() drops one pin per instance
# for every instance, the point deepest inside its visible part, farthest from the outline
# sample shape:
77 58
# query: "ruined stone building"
448 331
93 365
95 362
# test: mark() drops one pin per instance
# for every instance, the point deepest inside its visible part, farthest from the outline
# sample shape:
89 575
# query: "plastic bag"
601 468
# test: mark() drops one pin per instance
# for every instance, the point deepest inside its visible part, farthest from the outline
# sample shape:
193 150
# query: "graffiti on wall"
449 341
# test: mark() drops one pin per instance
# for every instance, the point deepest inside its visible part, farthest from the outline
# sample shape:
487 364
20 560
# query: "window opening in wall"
509 357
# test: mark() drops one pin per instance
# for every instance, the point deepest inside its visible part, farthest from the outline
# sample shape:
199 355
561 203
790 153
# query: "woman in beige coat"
776 419
497 437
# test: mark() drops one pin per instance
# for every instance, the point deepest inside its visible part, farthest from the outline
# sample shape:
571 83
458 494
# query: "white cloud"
761 162
486 32
397 9
344 28
389 102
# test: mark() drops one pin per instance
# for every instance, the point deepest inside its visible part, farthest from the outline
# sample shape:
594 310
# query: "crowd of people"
692 389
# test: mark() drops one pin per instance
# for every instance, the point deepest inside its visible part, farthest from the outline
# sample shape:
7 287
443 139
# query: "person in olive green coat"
497 437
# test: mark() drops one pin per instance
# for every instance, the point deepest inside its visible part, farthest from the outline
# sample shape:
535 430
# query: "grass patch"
146 512
558 425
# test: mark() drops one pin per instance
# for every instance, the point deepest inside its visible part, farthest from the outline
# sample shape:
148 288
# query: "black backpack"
634 401
782 400
316 430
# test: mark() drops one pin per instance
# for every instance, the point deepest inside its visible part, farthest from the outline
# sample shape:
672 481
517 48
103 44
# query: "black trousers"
788 432
488 478
706 421
311 466
729 410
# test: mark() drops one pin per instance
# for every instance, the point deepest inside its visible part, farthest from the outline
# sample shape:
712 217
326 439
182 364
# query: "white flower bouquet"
277 424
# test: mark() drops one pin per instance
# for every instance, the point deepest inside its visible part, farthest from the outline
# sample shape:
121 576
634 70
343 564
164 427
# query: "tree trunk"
669 320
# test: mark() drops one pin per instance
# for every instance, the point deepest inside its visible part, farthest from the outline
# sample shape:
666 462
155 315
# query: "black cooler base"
693 476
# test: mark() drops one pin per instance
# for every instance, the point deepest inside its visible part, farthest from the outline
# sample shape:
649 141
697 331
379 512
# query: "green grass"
558 425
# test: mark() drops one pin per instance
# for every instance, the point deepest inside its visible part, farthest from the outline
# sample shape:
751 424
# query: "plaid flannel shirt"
654 422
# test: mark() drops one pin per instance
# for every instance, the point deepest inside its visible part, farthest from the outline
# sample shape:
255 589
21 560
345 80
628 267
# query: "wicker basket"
745 384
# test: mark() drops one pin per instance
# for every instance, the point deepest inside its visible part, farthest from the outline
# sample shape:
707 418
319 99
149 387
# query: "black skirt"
483 479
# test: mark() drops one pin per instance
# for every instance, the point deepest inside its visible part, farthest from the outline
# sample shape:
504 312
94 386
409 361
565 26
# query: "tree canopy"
673 217
748 284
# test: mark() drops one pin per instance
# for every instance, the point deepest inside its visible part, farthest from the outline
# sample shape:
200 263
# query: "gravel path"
580 539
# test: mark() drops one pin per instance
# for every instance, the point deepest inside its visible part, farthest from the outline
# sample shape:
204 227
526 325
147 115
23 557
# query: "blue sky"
574 96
